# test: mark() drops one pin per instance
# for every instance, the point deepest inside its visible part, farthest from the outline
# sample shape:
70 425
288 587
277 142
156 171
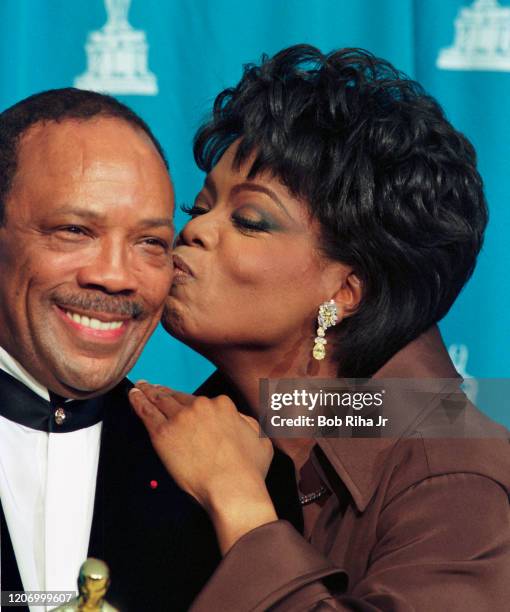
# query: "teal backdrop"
197 47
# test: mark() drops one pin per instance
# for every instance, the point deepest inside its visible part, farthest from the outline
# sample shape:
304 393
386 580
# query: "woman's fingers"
213 452
158 393
146 410
186 399
161 397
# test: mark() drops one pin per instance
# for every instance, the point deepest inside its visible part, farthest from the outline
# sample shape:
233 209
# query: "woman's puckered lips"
180 264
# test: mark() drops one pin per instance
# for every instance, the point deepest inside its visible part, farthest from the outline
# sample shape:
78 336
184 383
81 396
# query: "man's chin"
87 383
82 371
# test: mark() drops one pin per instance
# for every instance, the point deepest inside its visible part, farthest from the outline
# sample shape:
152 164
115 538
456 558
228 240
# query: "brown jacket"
416 523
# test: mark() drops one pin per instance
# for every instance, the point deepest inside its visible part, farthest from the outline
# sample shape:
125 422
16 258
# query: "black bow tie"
20 404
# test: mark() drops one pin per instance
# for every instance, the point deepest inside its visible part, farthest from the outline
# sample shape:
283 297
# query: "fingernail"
141 381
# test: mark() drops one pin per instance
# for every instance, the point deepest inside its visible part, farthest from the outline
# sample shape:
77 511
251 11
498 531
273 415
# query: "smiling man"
86 207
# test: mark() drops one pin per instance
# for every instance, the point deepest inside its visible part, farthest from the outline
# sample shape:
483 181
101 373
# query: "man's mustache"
99 302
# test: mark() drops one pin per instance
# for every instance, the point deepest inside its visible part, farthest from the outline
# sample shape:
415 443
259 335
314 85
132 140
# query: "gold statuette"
93 582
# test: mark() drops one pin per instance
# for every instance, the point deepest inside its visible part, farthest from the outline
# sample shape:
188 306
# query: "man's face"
84 253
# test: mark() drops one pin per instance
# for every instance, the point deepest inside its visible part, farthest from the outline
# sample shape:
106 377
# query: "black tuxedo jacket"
158 542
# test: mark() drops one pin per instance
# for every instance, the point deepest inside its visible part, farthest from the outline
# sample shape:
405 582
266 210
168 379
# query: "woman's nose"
201 231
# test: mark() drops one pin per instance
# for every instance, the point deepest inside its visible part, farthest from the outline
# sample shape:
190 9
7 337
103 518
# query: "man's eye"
156 243
75 230
194 211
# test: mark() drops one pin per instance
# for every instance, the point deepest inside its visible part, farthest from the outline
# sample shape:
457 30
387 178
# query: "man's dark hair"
394 186
56 105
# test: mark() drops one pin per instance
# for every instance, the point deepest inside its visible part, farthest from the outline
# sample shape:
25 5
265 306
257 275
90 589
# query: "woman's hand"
213 452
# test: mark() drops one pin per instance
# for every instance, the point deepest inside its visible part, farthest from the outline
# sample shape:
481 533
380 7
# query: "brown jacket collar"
360 461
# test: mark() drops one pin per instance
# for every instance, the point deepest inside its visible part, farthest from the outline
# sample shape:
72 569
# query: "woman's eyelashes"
193 210
251 221
250 224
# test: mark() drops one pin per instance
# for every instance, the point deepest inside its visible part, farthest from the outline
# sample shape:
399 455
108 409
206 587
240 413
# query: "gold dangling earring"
328 317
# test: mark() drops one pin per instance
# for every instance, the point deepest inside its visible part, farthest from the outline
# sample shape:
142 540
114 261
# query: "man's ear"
348 296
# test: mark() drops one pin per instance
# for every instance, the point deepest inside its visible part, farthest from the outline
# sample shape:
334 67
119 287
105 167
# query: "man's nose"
110 270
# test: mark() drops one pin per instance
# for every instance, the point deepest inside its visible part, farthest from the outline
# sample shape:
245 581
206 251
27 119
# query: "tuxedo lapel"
10 579
9 573
158 543
96 541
